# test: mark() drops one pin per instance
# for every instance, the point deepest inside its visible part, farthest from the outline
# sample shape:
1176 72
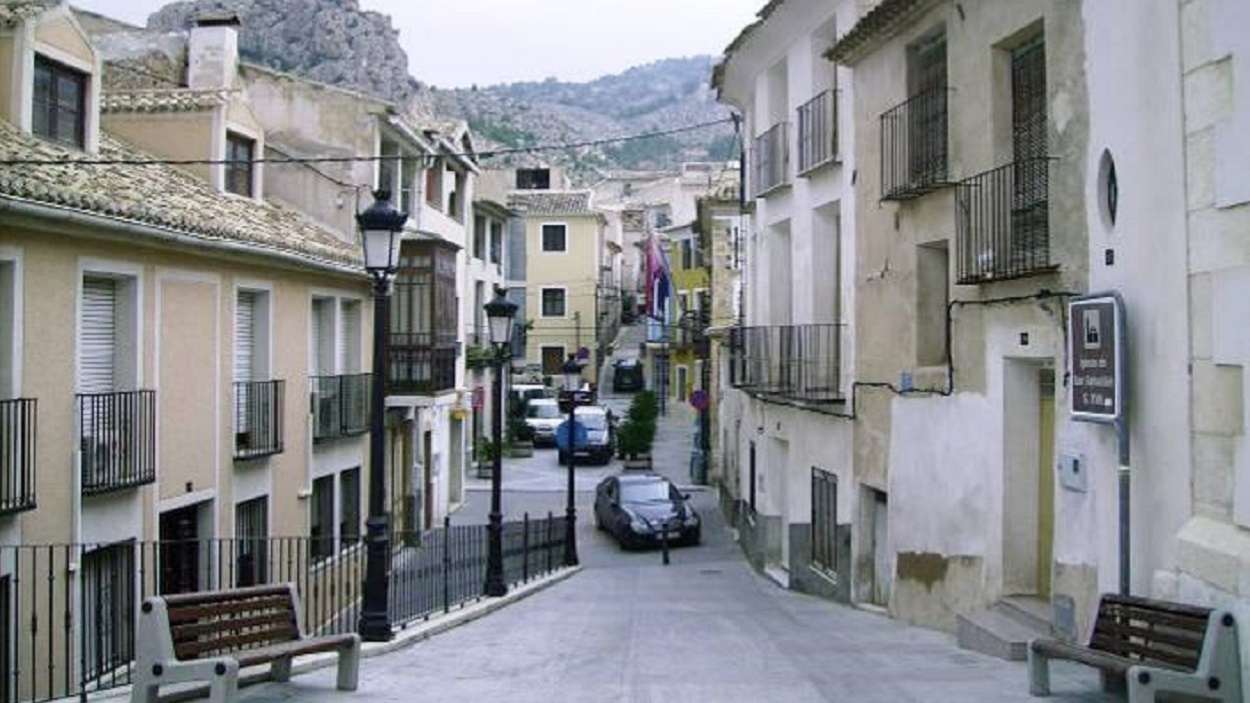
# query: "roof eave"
881 23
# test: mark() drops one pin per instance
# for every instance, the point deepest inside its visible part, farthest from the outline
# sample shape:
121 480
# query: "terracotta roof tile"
552 202
14 11
162 100
162 196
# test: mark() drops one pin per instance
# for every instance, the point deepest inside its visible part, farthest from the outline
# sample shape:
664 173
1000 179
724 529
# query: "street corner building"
929 186
185 328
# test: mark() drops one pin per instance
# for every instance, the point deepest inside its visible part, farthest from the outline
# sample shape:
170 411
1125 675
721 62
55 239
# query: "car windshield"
645 492
593 421
542 411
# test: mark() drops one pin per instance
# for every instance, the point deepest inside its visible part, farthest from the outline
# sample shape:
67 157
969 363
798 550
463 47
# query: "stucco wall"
575 270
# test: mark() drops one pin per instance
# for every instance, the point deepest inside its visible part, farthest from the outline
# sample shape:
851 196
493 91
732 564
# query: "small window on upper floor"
533 179
554 238
59 103
240 152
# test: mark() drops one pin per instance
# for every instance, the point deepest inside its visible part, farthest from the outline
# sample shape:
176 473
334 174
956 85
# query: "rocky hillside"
337 42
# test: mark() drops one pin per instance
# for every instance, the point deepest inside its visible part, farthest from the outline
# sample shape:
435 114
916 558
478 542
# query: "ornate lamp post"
572 372
381 229
499 314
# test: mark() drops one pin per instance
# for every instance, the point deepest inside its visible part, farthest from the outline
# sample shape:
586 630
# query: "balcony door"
1029 197
180 550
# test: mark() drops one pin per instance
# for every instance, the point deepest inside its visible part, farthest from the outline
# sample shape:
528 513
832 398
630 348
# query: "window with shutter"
245 337
323 337
349 338
98 336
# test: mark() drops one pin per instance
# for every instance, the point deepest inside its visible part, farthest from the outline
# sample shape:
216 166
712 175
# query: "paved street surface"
705 628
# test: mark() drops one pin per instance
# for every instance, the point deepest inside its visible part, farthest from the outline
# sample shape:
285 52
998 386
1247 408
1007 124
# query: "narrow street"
630 629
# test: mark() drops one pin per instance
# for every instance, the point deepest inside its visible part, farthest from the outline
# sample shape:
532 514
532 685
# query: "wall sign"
1096 335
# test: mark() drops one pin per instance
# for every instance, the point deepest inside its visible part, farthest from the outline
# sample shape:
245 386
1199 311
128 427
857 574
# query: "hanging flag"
659 279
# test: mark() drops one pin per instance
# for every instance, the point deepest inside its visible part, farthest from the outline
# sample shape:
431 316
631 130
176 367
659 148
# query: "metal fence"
914 146
258 418
117 435
818 130
18 437
68 613
1002 222
340 405
794 362
770 159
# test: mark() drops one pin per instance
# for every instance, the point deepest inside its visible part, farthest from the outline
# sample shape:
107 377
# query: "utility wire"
355 159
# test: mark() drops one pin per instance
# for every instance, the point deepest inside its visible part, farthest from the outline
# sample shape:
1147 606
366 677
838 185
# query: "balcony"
340 405
914 146
1002 223
18 436
770 165
117 440
421 364
818 131
258 418
792 362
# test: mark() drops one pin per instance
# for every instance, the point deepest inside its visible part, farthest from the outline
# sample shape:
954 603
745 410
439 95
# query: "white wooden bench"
209 636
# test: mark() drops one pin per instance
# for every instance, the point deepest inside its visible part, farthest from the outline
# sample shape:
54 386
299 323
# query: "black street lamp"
381 228
572 372
499 314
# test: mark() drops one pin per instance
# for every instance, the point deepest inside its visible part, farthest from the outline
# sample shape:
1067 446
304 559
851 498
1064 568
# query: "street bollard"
664 542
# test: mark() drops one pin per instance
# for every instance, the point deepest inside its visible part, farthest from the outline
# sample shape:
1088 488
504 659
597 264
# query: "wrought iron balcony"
117 440
1002 222
914 146
340 405
421 364
770 160
18 435
791 362
258 418
818 131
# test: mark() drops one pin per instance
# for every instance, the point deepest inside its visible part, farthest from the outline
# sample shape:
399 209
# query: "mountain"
336 42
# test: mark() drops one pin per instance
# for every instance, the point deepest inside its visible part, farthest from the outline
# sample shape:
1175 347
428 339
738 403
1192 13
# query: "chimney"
213 52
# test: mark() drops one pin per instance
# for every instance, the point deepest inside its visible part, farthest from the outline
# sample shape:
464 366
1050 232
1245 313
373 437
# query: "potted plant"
637 433
520 438
486 451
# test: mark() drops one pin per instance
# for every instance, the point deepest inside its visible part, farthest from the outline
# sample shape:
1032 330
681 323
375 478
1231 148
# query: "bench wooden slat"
1182 639
202 597
225 643
186 614
1182 609
1144 652
184 633
311 645
1179 622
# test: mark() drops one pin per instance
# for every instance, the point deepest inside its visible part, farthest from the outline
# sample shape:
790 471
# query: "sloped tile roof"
162 100
884 20
552 202
162 196
14 11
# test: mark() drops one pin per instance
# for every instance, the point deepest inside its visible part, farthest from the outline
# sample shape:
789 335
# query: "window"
554 237
349 338
533 179
825 521
932 295
687 254
553 302
683 382
479 296
60 103
496 242
109 600
434 186
240 151
251 532
321 523
479 237
349 510
553 360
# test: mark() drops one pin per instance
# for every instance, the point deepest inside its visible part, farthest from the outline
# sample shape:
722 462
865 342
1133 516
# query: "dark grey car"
638 508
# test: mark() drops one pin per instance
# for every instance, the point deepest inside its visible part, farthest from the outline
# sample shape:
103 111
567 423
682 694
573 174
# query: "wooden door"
180 550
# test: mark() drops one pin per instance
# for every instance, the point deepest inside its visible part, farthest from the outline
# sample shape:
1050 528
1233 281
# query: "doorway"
1028 477
456 460
427 463
878 508
180 550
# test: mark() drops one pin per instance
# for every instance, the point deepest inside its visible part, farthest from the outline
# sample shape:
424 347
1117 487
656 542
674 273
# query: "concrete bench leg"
142 692
224 686
349 666
1039 673
280 670
1218 676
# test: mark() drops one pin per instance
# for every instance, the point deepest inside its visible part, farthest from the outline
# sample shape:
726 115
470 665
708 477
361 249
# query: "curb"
404 638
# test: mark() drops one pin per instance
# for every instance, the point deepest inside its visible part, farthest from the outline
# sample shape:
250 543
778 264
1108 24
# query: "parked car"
600 435
627 375
543 416
638 508
522 393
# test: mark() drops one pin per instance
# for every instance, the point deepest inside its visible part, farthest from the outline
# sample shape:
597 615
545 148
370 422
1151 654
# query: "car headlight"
637 524
692 519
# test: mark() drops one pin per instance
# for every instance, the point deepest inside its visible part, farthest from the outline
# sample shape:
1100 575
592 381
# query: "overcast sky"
454 43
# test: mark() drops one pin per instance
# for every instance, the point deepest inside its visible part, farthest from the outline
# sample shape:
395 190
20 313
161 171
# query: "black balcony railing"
792 362
18 435
258 418
1002 222
771 160
419 364
340 405
818 131
117 435
914 146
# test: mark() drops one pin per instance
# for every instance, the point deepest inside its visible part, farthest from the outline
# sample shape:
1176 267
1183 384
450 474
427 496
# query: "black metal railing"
770 159
1002 222
117 440
340 405
914 149
792 362
68 612
419 365
818 131
258 418
18 437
